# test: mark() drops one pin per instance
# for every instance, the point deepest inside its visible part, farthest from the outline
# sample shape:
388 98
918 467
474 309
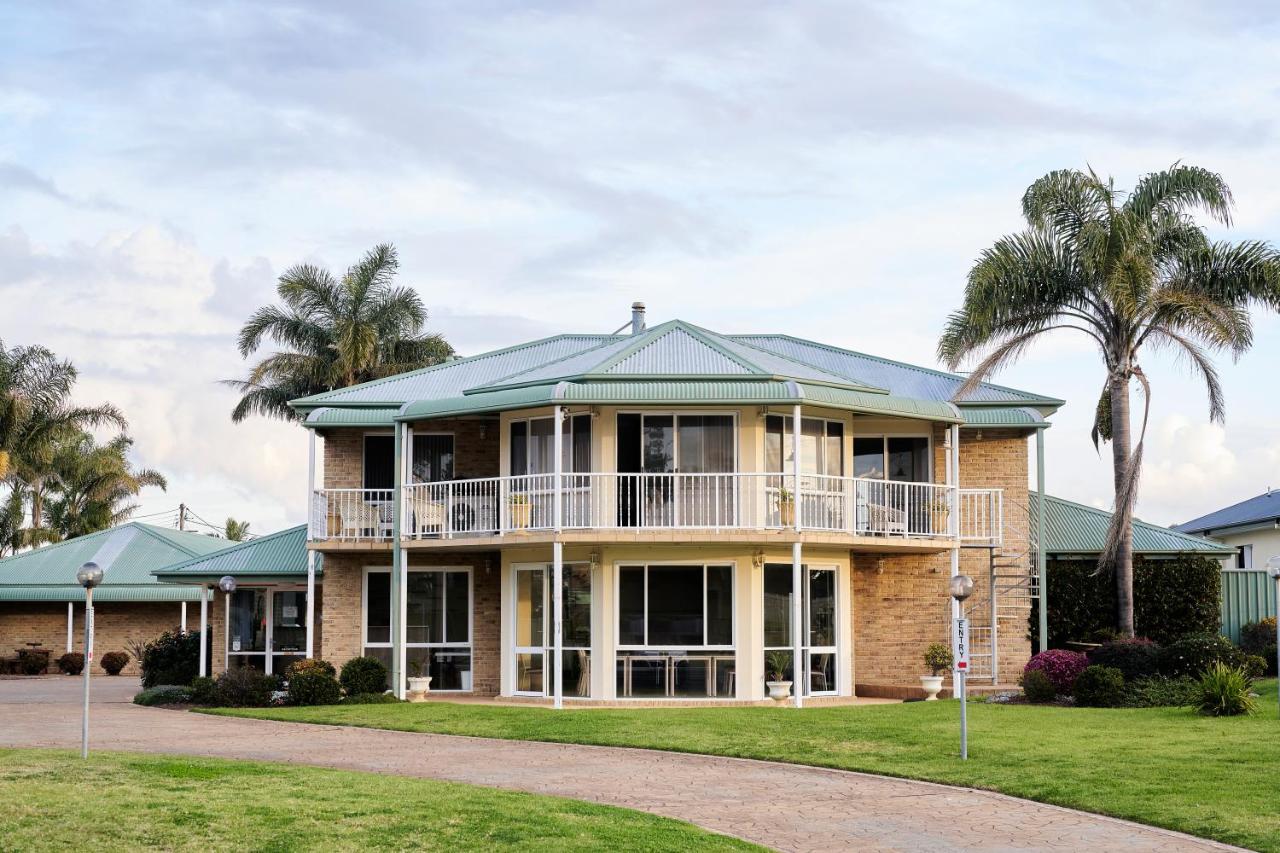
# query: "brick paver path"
777 805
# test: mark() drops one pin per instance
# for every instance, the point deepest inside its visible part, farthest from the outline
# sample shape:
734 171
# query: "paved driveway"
777 805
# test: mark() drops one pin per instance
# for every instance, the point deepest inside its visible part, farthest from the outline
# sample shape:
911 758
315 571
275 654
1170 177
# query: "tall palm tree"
237 531
334 332
12 514
1135 273
94 486
36 414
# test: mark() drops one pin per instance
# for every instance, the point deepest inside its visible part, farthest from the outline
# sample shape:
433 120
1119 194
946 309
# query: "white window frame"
799 668
471 617
787 432
567 432
619 565
675 438
269 612
1244 557
548 638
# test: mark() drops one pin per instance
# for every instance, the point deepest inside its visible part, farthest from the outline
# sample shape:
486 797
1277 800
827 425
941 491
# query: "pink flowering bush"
1060 666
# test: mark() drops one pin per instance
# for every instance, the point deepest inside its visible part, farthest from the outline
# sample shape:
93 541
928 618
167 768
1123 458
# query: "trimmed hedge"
113 662
1172 598
1259 638
163 694
1037 687
1135 658
1100 687
1195 654
72 663
171 658
311 682
363 675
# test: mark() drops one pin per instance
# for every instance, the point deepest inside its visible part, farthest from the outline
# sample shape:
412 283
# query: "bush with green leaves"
1037 686
1259 638
1171 599
72 663
245 688
371 699
310 665
114 662
1194 654
171 658
1225 691
164 694
938 658
363 675
33 661
204 690
1161 692
1099 687
312 682
1136 657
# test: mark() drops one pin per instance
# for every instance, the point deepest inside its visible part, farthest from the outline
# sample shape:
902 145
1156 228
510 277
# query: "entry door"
531 632
267 629
820 649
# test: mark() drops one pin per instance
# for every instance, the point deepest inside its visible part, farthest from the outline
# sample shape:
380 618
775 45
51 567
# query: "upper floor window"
533 442
1244 556
666 443
379 461
901 458
432 457
821 446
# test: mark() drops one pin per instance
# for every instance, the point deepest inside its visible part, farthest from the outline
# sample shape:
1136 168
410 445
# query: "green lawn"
115 801
1218 778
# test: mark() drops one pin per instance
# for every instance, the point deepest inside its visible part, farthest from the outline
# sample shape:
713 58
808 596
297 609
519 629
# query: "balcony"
503 506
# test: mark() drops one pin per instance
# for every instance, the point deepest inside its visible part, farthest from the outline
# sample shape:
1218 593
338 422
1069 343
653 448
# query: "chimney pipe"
637 317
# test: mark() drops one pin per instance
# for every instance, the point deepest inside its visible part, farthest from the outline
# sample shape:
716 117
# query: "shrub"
1161 692
1100 687
938 658
371 699
171 658
1254 666
1259 638
310 665
1135 657
363 675
1172 598
33 661
1037 687
245 688
1060 666
72 663
163 694
1224 691
313 686
204 690
1194 655
113 662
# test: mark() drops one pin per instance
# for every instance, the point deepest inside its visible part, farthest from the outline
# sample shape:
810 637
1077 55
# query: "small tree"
938 658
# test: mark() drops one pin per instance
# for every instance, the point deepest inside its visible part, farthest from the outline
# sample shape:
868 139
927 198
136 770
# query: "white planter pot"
778 689
418 688
931 684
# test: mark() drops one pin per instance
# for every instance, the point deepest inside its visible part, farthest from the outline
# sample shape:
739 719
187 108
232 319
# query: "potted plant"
419 684
786 507
938 658
940 513
521 510
776 664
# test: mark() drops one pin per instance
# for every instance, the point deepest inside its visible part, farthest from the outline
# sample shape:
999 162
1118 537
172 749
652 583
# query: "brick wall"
475 448
115 624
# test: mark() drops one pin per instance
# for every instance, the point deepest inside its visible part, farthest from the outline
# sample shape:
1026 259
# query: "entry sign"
960 645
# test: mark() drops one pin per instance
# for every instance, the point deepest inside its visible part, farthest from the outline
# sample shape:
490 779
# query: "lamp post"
227 584
1273 571
961 587
89 576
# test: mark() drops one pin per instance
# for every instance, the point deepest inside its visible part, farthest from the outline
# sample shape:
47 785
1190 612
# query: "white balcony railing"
497 506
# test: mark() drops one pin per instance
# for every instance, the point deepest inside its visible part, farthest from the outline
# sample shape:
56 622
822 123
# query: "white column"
204 632
71 618
557 618
182 620
558 464
311 486
795 474
311 604
799 671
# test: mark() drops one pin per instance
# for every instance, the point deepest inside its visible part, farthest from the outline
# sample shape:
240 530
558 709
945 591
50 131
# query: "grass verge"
1162 766
53 800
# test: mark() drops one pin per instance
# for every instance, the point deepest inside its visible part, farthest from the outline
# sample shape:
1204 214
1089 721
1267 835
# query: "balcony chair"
880 518
428 516
360 519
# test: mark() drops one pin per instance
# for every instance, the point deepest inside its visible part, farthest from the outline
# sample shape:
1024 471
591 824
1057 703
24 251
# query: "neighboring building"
41 604
1251 528
1074 531
651 480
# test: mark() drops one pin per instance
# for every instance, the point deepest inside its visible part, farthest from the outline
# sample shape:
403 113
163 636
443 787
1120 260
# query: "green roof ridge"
238 546
657 333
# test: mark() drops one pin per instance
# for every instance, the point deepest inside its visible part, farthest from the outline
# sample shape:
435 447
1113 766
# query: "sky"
828 170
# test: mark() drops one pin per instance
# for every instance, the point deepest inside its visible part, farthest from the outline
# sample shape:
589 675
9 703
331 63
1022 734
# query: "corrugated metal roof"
119 592
454 377
277 554
1002 416
678 351
904 380
1072 528
680 393
1258 510
352 417
127 554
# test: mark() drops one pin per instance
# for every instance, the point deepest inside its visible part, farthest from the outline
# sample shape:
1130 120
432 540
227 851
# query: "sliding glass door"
535 636
437 627
680 469
819 642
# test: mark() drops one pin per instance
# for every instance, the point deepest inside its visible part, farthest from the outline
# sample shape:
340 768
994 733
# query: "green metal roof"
1072 528
326 416
1003 416
127 554
680 393
280 554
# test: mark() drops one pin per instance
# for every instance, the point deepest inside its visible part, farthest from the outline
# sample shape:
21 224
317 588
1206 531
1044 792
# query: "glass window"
658 444
576 628
542 444
682 606
577 444
822 607
719 605
631 606
379 461
868 458
821 446
908 459
675 609
777 444
425 619
457 605
378 608
289 621
248 629
519 448
833 455
777 605
432 458
530 613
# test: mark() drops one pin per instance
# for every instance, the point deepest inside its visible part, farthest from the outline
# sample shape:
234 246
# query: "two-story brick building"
667 514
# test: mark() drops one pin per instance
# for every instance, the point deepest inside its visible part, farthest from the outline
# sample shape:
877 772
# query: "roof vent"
637 317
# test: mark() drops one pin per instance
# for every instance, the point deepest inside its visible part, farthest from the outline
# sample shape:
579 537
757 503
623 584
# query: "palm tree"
12 514
94 485
36 414
334 332
237 531
1134 272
